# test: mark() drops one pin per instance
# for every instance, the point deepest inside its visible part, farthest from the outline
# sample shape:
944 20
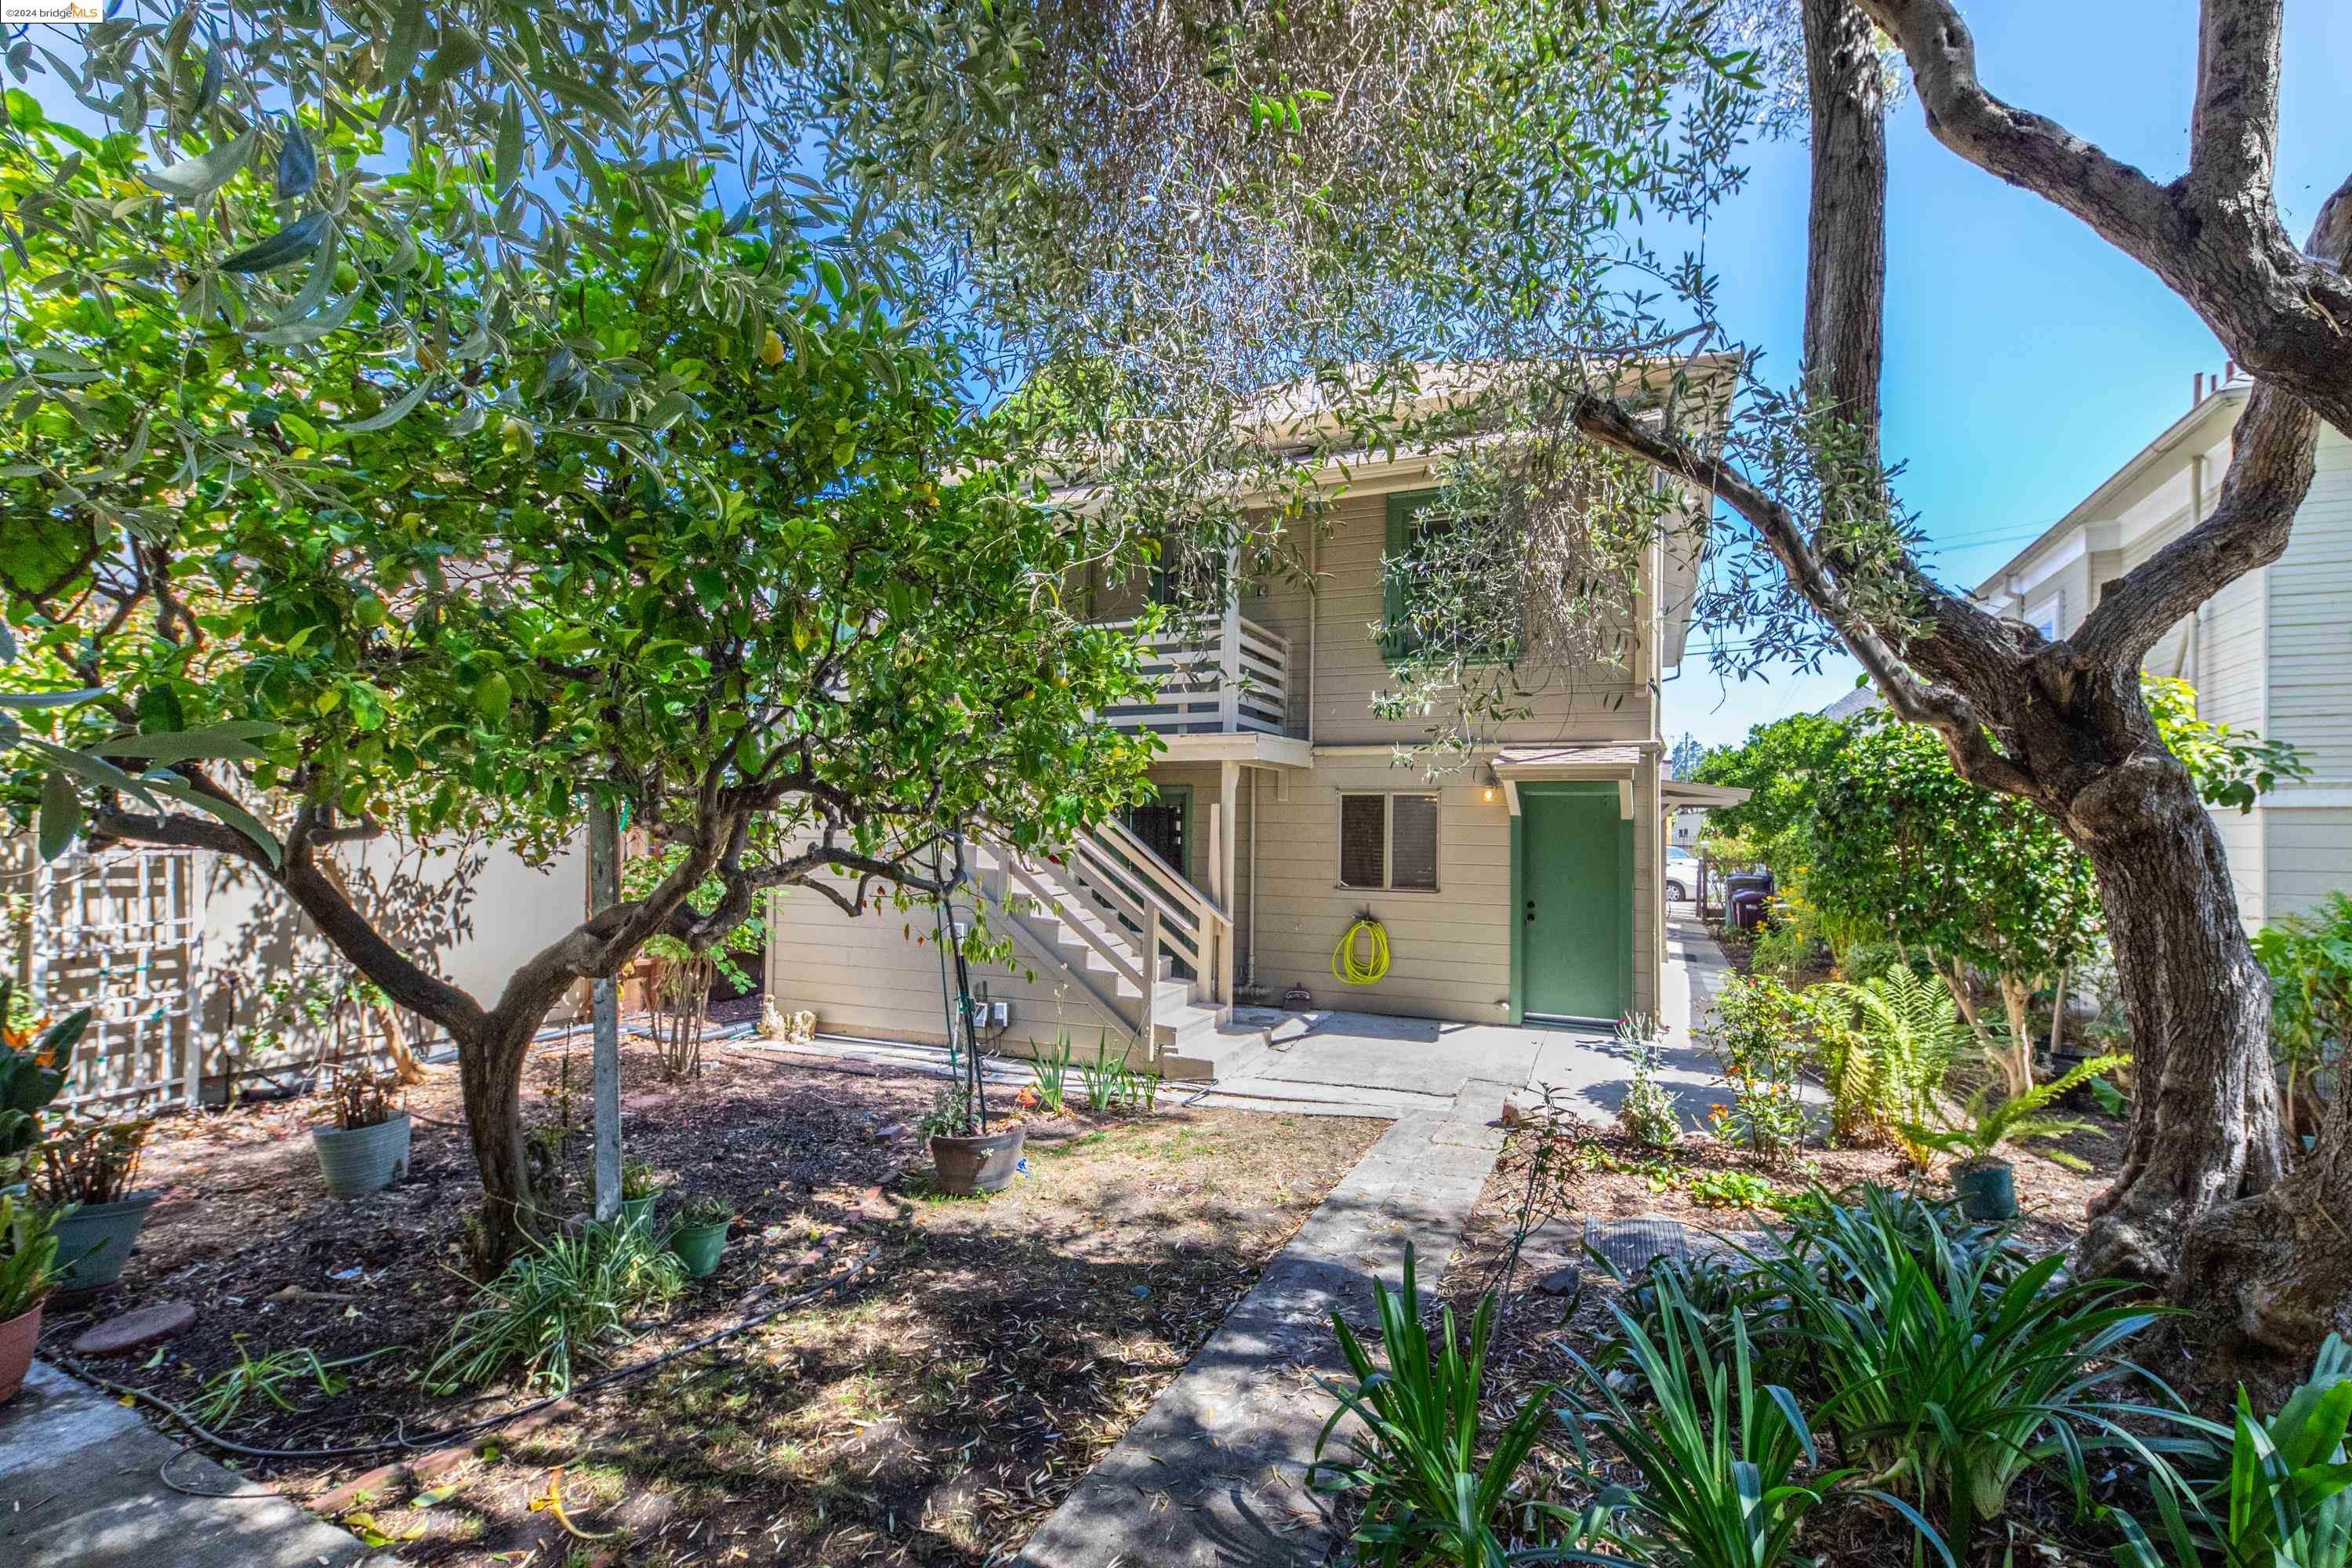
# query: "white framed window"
1387 843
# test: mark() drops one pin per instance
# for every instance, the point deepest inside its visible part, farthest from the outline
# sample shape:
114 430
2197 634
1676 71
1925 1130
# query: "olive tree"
1335 196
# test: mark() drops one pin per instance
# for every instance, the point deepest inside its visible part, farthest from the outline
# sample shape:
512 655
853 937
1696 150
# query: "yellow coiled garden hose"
1344 963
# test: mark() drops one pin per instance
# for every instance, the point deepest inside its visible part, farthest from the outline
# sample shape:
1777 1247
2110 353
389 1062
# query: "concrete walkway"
1216 1472
1214 1475
81 1486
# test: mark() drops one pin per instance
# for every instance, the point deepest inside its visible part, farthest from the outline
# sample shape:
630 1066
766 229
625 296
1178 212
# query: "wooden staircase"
1108 916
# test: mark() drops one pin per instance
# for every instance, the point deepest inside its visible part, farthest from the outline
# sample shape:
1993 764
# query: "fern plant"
1887 1059
1984 1128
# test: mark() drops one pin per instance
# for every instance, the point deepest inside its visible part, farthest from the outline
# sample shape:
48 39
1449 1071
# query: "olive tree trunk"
2205 1121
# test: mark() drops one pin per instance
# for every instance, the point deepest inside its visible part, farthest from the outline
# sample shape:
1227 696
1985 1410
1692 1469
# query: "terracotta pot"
969 1165
18 1336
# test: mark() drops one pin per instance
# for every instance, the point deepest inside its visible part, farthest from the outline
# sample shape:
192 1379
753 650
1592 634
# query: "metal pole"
603 891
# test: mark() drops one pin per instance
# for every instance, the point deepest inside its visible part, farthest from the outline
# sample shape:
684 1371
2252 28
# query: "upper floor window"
1387 843
1463 592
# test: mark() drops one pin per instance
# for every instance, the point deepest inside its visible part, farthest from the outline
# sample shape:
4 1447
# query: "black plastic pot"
1987 1190
969 1165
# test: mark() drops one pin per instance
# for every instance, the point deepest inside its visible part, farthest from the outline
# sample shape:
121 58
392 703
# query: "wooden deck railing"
1224 679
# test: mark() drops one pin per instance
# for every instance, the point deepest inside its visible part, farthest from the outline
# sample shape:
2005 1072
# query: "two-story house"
2269 653
1520 884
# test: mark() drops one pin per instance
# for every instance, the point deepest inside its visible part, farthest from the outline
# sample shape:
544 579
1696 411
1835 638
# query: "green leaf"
298 164
510 164
60 814
395 412
404 41
293 334
289 244
231 740
193 179
493 695
460 52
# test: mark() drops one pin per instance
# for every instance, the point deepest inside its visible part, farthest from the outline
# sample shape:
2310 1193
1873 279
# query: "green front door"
1576 908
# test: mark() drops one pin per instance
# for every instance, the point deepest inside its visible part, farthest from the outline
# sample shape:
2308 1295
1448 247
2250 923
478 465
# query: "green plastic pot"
1987 1190
638 1211
698 1247
94 1241
361 1160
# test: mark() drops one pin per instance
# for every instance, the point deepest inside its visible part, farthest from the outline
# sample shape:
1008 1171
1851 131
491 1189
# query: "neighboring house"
2269 653
1522 886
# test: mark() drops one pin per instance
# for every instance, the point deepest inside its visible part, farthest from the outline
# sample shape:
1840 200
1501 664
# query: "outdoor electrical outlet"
1003 1011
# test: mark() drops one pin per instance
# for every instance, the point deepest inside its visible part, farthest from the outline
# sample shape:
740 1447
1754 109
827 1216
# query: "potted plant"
968 1157
702 1232
89 1166
35 1058
367 1147
29 1272
1986 1183
637 1193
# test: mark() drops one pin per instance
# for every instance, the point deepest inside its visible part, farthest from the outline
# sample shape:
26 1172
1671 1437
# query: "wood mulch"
932 1410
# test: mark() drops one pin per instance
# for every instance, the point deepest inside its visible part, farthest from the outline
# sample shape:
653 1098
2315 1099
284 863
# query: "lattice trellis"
118 933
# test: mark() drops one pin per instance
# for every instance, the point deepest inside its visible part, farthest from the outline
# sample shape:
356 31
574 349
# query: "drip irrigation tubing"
445 1436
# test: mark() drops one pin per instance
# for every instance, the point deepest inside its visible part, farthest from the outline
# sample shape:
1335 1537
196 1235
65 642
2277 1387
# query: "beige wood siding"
1450 951
1346 670
2309 855
872 977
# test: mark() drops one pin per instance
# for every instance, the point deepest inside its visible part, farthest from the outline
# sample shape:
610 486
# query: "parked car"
1682 876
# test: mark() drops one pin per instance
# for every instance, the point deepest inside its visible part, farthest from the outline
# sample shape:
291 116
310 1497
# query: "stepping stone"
1563 1281
128 1331
1632 1244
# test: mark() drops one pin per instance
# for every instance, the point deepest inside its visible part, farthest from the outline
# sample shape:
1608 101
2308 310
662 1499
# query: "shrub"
2310 961
1984 1128
2284 1499
1732 1190
35 1058
1755 1033
1714 1453
1053 1075
29 1257
1648 1110
1950 1368
90 1160
1421 1433
1885 1046
562 1301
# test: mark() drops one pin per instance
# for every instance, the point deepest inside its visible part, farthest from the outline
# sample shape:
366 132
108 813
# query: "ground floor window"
1389 842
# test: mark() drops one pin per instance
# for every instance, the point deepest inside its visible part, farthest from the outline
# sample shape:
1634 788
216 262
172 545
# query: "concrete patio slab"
81 1486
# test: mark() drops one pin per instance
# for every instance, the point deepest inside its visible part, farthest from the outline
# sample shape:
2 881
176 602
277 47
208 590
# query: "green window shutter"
1402 509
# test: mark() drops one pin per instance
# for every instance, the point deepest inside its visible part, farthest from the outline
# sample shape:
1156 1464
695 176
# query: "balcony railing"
1224 678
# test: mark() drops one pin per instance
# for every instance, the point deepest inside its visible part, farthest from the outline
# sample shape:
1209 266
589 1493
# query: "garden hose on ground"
1344 966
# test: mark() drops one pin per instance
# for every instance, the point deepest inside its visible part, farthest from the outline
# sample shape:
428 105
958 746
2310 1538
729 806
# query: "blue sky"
2026 358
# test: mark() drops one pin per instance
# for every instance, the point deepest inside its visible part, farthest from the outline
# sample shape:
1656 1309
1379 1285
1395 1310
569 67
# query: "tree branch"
2234 127
1950 714
2270 464
2213 237
2126 208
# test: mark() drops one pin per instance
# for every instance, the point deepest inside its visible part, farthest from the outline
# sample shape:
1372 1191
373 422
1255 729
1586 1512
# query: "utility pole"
604 892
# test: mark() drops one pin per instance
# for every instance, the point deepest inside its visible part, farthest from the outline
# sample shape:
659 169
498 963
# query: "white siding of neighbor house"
2270 653
2309 845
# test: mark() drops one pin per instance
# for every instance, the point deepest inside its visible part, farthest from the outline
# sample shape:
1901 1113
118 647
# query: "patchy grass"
933 1411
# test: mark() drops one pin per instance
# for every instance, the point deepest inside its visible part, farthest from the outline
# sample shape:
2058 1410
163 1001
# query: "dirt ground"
932 1410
